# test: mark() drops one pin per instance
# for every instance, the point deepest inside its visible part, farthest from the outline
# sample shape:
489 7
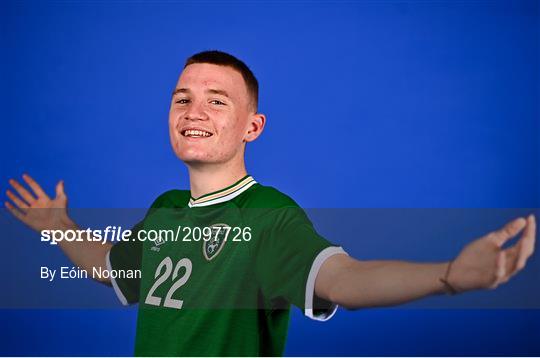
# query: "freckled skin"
229 122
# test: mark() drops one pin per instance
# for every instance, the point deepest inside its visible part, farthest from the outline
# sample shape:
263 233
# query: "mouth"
195 133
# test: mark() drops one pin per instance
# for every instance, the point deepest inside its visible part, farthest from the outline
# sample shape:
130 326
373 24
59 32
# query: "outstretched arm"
482 264
37 210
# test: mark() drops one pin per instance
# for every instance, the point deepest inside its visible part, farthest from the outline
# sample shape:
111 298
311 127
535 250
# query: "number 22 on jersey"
178 282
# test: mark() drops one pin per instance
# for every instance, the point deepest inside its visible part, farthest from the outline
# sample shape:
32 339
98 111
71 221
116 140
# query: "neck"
206 179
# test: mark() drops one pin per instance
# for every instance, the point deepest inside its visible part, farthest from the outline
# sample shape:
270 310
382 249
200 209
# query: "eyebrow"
210 90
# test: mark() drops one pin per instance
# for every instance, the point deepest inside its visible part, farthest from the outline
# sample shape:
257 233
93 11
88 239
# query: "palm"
35 208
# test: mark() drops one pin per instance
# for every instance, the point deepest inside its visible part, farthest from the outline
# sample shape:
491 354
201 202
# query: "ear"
255 127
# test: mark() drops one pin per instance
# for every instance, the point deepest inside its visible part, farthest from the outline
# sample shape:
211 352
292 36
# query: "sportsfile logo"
109 234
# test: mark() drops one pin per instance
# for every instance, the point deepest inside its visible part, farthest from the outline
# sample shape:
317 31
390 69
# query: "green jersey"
220 279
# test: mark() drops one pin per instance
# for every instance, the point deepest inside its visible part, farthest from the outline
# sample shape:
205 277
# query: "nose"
195 112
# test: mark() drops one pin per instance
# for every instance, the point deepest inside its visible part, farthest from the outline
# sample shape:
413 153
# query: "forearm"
86 254
386 283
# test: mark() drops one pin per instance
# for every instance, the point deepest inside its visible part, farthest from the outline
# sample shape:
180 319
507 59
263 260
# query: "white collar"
223 195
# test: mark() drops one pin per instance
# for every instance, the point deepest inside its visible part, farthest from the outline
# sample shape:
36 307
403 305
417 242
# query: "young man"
224 296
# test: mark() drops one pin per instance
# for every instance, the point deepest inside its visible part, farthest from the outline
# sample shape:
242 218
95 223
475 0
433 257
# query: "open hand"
484 264
35 208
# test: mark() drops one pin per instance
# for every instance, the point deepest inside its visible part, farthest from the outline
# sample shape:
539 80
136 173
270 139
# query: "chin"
187 154
198 156
194 158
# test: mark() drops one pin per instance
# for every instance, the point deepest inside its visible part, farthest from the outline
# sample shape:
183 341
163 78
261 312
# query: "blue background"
369 104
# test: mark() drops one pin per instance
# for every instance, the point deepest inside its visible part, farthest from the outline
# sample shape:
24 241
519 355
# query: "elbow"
338 297
104 281
100 274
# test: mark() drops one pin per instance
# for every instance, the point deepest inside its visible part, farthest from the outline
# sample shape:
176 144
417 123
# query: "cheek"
231 137
235 130
173 120
173 115
173 131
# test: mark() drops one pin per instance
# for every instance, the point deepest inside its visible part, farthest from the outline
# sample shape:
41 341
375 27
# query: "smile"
196 133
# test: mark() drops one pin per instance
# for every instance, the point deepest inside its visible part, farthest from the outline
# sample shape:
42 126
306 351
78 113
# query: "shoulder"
261 196
171 199
274 211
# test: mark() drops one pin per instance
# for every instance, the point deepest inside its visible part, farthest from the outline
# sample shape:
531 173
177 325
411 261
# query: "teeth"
196 133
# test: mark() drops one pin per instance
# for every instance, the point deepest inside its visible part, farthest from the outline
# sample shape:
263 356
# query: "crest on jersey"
212 247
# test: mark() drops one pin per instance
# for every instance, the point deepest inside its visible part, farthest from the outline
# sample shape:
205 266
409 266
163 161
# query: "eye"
218 102
182 100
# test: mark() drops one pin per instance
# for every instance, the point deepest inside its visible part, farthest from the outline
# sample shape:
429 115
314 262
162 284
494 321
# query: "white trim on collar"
223 195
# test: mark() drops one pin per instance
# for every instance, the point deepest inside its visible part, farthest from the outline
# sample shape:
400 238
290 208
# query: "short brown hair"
224 59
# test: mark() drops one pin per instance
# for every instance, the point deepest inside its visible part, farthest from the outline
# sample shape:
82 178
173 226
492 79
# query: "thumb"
60 189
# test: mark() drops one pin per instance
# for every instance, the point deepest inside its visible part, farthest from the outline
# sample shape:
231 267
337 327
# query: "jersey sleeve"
290 256
126 255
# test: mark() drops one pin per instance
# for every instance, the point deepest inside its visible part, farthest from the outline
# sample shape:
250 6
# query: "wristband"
447 286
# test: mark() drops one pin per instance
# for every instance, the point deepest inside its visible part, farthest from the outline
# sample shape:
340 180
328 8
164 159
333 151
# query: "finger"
19 215
60 189
22 191
500 269
20 204
35 186
509 230
527 242
510 261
